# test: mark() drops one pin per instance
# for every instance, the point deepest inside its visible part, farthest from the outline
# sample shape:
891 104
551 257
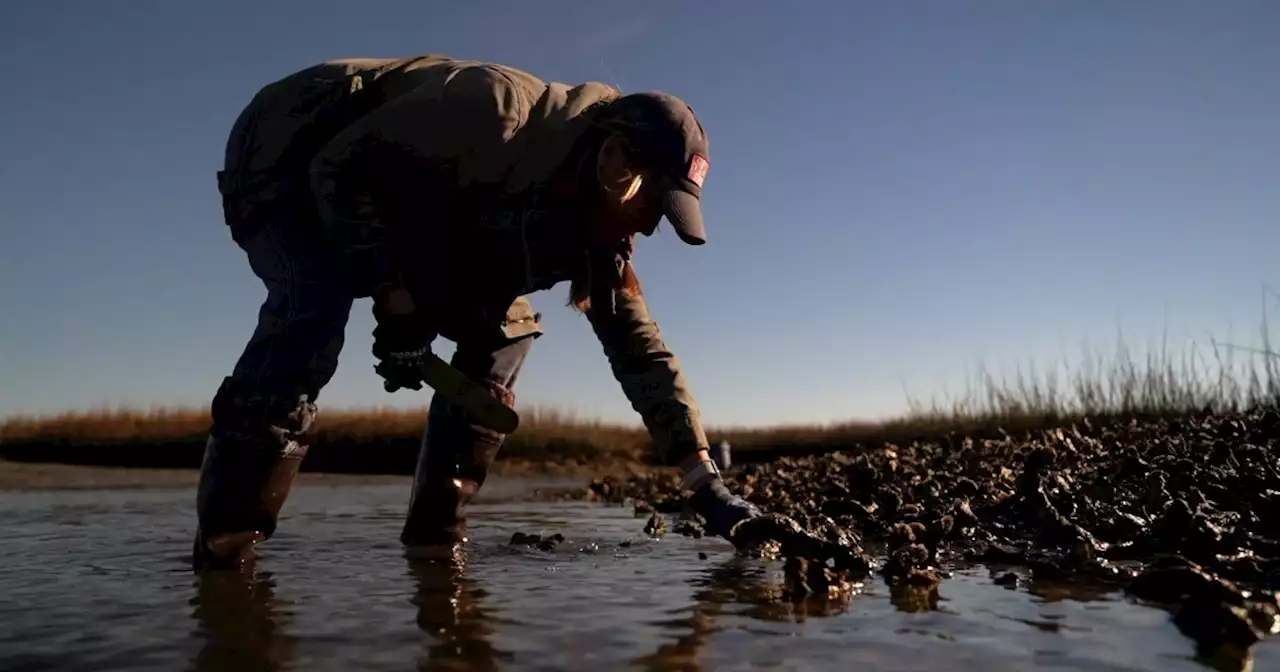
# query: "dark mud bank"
1183 514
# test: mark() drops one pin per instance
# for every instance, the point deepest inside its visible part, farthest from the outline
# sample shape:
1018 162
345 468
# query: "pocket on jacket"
521 320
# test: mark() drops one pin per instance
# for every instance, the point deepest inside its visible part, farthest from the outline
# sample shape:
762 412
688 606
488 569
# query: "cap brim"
685 214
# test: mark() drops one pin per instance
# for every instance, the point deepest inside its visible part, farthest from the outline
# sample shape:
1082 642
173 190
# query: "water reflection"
451 614
742 587
1079 589
911 598
241 622
718 586
412 613
1210 652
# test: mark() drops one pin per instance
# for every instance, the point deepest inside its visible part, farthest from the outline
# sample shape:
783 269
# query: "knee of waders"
263 419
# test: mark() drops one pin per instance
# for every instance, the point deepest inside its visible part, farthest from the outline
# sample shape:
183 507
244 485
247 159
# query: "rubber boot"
453 462
242 488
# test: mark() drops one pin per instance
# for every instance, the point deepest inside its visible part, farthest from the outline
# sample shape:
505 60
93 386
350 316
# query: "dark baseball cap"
669 139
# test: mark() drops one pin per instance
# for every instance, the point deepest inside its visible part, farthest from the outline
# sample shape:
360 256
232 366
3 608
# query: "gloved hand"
401 343
720 508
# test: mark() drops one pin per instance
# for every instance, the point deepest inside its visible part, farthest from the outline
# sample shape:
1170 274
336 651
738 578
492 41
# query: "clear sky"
897 192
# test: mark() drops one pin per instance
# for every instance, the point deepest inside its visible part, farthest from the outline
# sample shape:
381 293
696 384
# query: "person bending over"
446 190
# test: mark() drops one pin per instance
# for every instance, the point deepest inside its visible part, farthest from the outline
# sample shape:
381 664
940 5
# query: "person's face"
618 214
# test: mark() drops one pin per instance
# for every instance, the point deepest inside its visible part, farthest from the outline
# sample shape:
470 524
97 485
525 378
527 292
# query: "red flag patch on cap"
698 167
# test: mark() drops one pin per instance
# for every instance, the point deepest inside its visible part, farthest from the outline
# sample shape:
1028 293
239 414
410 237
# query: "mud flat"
1182 514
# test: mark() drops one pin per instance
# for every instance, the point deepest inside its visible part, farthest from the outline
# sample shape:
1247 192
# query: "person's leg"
262 412
456 453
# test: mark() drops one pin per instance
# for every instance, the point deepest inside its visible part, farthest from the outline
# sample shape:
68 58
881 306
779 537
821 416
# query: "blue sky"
897 192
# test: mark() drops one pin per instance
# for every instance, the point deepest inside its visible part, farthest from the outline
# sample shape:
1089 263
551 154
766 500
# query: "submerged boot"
242 488
254 451
453 462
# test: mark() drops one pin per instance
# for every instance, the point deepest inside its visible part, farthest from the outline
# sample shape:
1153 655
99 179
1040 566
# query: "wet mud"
1182 514
542 543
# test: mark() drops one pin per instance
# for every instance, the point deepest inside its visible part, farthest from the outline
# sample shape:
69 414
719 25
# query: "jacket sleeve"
399 162
650 377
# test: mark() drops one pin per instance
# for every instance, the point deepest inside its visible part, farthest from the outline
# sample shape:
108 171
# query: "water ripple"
98 580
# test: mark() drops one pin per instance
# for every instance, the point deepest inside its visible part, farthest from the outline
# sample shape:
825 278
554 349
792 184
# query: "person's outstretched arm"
650 375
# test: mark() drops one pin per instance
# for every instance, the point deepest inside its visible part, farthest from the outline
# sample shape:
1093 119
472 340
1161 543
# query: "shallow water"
98 580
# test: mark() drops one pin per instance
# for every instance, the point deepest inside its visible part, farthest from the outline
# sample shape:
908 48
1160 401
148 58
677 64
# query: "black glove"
721 508
401 344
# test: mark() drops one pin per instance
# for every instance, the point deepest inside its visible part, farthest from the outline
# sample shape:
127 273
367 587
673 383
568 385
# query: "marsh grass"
1124 385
